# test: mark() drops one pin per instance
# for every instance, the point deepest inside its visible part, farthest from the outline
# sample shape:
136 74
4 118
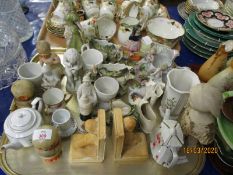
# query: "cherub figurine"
87 98
51 60
73 69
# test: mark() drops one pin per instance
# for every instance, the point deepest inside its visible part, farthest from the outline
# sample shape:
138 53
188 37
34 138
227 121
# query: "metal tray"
25 161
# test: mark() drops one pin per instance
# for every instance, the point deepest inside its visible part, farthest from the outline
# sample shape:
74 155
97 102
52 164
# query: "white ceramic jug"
179 83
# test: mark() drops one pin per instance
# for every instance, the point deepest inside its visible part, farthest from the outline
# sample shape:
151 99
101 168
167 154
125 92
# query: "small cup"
61 118
53 99
106 88
91 57
32 72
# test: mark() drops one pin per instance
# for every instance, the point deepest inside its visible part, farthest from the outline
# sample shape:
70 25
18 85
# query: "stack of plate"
190 6
206 30
55 29
228 7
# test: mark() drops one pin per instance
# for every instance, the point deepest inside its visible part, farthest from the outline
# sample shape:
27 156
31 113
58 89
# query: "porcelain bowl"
106 88
106 28
165 28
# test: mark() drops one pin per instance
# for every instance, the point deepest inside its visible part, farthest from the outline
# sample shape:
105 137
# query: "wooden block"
135 146
89 147
102 134
118 133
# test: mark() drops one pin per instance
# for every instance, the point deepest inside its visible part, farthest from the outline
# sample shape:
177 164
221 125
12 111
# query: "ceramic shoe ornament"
147 118
167 143
87 98
216 62
73 69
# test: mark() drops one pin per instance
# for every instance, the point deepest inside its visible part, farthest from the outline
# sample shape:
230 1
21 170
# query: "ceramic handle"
39 101
67 97
84 47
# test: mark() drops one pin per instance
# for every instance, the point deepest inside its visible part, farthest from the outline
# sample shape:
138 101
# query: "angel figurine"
73 69
87 98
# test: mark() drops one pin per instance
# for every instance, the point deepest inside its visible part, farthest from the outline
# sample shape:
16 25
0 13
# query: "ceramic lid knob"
45 137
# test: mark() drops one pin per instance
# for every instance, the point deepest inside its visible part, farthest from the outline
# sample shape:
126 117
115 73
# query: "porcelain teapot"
20 124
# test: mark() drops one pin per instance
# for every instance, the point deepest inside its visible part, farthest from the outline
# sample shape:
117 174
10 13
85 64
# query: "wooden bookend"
118 133
128 146
89 147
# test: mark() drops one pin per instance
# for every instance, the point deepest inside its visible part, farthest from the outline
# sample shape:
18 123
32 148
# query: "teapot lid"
22 122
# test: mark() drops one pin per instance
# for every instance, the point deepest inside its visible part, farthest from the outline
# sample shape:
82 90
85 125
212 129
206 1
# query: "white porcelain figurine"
73 69
87 97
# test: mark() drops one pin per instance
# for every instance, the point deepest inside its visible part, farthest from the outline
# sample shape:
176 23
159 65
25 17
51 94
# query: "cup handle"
175 158
84 47
39 101
67 97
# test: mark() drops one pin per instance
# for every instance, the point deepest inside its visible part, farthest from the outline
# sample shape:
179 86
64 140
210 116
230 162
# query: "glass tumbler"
12 13
12 55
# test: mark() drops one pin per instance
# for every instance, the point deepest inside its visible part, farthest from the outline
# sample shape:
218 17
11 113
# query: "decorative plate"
224 35
181 11
216 20
193 50
168 28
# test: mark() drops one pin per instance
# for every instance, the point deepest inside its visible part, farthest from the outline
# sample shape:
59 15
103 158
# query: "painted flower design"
221 16
229 24
207 14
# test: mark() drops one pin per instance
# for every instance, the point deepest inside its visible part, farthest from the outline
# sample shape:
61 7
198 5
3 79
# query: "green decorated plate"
216 20
193 50
225 127
197 47
202 40
223 36
203 33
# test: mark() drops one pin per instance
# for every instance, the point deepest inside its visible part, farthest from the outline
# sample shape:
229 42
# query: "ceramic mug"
54 98
91 57
32 72
179 83
61 119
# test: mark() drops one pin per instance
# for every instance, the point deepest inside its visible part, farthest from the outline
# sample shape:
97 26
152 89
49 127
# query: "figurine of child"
73 69
49 61
87 97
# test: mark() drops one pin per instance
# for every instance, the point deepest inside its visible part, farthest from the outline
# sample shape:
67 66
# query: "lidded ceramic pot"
47 143
23 92
19 127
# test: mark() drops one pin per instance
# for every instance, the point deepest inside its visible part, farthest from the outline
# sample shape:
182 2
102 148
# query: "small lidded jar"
47 143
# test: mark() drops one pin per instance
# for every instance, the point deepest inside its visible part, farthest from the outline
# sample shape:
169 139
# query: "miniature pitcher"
179 83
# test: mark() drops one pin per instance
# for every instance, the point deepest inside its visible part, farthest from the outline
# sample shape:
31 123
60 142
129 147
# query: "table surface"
36 15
